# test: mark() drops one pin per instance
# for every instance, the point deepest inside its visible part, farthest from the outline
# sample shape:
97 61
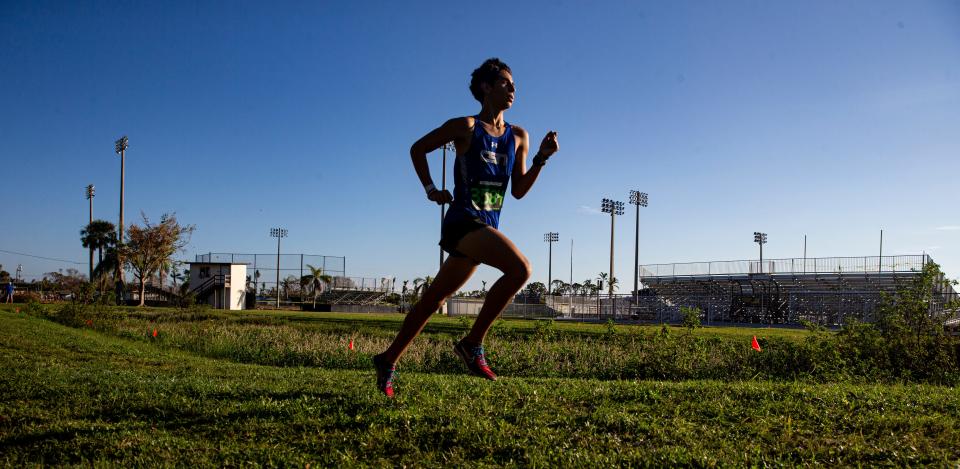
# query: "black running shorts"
451 233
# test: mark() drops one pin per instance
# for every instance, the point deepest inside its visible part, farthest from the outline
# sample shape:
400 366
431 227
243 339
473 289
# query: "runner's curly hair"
486 73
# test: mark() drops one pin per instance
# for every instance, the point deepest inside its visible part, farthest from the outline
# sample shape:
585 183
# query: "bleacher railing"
819 265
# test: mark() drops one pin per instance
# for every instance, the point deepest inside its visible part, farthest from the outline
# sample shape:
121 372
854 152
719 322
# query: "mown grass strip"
79 396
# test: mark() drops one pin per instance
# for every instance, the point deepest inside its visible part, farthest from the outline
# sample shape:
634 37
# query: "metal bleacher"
826 291
352 297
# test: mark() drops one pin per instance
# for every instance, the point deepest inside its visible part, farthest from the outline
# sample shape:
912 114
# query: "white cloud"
586 209
948 228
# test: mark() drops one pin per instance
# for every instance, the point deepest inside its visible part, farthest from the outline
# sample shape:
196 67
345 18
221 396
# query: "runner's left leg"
454 272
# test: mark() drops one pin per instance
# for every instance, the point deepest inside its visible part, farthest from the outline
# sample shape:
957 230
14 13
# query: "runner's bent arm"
453 130
522 179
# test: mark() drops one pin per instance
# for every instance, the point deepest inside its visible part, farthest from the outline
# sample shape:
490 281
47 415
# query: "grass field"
283 389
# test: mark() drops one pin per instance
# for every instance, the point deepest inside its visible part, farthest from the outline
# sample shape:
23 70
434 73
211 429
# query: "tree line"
146 252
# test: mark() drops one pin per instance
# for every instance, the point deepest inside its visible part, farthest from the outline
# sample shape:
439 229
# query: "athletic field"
87 386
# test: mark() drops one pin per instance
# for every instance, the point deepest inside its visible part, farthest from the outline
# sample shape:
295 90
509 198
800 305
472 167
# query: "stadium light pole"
278 233
880 262
761 239
640 200
443 187
614 208
120 147
90 194
550 238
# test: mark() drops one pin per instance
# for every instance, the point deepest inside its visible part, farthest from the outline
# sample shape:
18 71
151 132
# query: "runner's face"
501 92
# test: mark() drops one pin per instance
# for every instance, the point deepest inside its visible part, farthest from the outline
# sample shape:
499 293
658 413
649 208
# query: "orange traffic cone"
755 344
154 332
351 344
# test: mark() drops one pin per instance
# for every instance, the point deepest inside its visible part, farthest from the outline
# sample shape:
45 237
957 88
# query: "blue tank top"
481 175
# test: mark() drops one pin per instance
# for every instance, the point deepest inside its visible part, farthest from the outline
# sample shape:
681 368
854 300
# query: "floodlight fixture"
121 144
278 232
638 198
611 206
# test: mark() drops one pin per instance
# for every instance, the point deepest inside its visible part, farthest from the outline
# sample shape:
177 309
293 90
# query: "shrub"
691 317
544 329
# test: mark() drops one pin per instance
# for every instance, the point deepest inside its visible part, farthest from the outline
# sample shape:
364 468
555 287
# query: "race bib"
487 196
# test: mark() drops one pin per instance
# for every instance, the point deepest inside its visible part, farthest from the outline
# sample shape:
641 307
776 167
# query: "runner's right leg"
489 246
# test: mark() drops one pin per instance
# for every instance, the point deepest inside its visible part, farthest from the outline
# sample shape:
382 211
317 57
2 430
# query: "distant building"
219 284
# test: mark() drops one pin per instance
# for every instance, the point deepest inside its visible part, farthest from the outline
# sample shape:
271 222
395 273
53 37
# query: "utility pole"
761 239
278 233
640 200
614 208
550 238
90 194
880 262
443 187
120 146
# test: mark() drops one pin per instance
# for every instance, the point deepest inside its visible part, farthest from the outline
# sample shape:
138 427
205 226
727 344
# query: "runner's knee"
520 269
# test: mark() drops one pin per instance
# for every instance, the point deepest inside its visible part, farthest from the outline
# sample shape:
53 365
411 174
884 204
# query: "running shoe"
385 375
473 356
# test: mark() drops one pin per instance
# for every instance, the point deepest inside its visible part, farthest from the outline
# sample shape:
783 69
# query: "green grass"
110 394
438 323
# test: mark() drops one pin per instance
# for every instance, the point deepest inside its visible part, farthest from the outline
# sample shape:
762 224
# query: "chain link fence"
798 265
293 271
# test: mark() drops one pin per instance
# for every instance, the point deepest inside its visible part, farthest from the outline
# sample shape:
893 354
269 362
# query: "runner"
490 152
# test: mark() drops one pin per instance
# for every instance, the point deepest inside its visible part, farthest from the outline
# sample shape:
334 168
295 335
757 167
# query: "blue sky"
827 119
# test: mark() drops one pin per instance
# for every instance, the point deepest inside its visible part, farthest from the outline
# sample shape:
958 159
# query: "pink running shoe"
386 372
473 356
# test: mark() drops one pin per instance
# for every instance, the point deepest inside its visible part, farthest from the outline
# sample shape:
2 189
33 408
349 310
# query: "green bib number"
487 198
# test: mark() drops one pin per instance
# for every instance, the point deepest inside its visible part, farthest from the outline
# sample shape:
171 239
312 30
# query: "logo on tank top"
499 159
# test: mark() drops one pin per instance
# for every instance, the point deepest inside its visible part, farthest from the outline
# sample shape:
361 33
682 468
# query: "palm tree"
176 275
589 287
108 263
286 283
420 285
99 235
316 280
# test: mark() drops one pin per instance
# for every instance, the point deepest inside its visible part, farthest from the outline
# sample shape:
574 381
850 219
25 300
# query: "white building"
219 284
